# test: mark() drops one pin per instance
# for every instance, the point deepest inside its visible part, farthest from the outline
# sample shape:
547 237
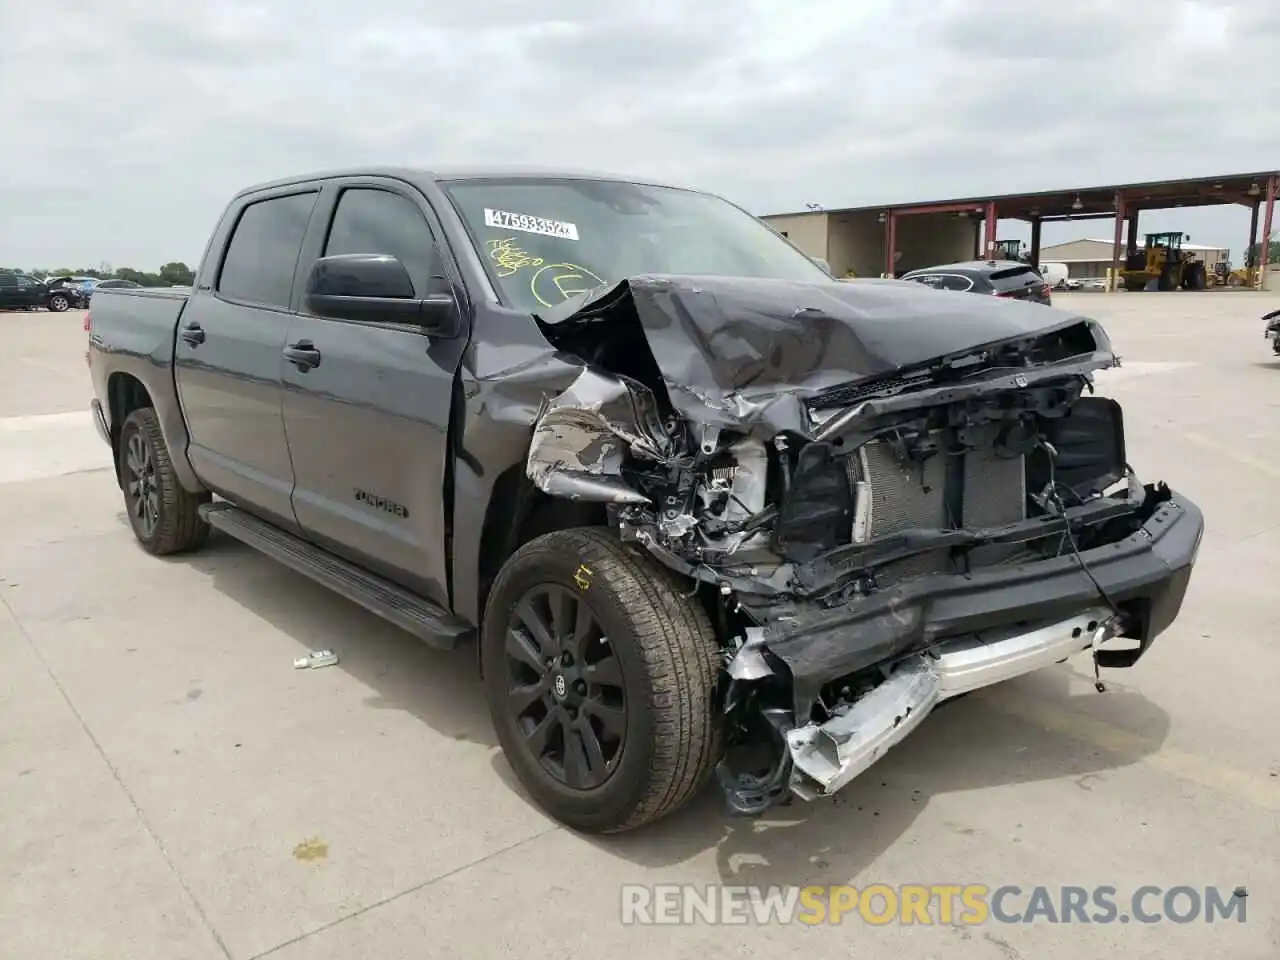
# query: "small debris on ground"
316 659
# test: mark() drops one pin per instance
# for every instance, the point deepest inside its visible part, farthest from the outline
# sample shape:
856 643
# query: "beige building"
853 241
1089 258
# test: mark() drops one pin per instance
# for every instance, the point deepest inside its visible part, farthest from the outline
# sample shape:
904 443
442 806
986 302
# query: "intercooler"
892 496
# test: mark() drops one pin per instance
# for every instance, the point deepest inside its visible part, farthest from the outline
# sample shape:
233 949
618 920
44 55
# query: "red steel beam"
991 230
939 208
1115 242
1267 218
1251 269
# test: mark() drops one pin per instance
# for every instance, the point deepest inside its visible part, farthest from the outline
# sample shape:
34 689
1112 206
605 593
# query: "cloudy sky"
127 124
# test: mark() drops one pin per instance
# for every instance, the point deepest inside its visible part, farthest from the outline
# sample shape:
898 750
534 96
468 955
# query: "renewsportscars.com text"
962 904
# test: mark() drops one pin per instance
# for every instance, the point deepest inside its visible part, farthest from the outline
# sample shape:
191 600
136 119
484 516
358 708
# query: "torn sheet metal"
742 353
581 437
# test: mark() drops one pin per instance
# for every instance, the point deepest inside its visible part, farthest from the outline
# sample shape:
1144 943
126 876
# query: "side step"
406 610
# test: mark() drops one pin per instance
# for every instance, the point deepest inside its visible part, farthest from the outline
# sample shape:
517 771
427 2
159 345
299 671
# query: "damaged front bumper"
939 636
827 756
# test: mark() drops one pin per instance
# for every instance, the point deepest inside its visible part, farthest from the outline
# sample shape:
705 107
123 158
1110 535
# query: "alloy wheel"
142 491
565 687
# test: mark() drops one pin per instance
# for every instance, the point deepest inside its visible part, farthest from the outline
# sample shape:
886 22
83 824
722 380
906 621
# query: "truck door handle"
302 355
193 334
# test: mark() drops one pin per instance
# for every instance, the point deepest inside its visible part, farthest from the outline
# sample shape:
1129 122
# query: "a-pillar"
1115 243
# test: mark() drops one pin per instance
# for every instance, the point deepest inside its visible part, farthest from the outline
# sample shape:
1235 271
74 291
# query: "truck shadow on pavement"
1049 726
439 687
1020 732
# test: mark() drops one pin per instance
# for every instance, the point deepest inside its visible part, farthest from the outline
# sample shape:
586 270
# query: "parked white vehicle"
1055 274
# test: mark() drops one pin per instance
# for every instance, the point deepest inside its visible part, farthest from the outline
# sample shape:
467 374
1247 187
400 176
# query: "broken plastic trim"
581 436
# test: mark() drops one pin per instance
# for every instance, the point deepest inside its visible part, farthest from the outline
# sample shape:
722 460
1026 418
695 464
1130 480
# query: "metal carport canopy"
1119 200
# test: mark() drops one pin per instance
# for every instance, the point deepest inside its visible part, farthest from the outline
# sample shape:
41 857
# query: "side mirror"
376 288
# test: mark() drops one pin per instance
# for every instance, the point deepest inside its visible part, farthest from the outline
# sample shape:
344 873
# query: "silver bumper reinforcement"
827 756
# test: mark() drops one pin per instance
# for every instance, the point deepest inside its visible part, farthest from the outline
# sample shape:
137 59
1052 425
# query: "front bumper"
827 756
945 635
1146 573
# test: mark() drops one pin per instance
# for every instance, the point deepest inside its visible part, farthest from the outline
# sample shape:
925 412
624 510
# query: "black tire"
164 515
1168 279
59 303
665 656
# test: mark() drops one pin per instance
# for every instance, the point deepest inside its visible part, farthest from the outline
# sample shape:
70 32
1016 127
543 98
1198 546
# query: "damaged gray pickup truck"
708 512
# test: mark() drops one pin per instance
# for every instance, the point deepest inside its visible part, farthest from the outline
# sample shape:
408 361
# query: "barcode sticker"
528 223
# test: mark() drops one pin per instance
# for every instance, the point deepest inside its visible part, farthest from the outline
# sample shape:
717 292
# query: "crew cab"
705 511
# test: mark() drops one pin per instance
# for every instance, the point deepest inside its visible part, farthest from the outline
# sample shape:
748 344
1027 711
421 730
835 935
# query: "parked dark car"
71 287
707 512
20 291
999 278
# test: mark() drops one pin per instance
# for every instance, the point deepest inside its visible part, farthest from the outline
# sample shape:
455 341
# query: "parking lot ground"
170 786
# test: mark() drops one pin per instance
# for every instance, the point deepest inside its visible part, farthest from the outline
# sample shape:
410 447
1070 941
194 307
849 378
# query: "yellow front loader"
1164 263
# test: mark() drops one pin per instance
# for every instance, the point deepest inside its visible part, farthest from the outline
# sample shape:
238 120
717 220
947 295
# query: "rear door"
228 354
29 291
368 426
9 295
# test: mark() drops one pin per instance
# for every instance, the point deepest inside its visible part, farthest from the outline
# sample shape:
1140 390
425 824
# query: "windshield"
543 241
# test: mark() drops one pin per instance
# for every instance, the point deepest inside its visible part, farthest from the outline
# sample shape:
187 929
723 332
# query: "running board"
406 610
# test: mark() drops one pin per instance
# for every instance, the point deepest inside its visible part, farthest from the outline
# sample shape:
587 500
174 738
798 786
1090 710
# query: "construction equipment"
1011 250
1162 261
1224 276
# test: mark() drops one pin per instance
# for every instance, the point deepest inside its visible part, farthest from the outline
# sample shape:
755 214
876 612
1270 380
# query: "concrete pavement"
171 787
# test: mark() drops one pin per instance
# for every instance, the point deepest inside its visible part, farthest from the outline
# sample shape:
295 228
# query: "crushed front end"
874 547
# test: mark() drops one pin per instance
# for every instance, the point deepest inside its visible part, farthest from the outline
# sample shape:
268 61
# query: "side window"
263 253
928 279
8 280
377 221
956 282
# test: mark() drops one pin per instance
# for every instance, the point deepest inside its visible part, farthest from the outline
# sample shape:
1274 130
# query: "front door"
228 359
368 424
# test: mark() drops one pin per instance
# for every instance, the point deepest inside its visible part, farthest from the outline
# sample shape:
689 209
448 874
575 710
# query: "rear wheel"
600 676
164 516
58 303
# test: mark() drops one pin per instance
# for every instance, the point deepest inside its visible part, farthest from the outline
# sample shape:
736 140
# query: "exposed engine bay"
885 497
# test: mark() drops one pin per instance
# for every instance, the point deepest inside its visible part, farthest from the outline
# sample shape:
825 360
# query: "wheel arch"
123 392
518 512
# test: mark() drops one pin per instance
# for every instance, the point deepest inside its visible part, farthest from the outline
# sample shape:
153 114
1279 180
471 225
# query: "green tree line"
175 274
1273 254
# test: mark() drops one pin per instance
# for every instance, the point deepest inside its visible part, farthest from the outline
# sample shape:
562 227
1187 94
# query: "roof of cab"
418 174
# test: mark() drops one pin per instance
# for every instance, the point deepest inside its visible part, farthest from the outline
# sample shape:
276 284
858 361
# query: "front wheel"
601 678
165 517
58 303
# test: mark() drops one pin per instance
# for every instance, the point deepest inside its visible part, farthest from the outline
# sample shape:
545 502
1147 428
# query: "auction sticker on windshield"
530 224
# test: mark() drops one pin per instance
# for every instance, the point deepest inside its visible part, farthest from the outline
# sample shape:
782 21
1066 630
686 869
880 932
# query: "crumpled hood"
737 352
